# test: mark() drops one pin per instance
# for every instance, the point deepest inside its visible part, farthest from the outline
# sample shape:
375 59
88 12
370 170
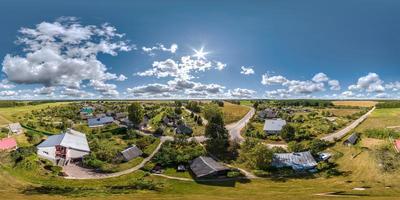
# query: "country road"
343 132
235 128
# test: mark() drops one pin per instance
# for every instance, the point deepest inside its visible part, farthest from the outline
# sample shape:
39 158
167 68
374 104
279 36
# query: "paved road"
343 132
235 128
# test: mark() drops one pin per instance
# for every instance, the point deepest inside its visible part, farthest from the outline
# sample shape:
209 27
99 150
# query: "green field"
381 118
234 112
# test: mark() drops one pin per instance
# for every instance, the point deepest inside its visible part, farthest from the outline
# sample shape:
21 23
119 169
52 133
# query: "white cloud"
121 77
304 87
269 80
278 93
160 47
77 93
394 86
320 77
348 94
369 83
335 85
64 53
5 84
44 91
246 70
8 93
220 65
242 93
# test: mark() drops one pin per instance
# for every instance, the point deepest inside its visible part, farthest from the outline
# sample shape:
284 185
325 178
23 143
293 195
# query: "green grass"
174 173
381 118
122 166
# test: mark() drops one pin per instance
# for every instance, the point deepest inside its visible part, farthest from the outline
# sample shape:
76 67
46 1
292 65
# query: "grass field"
12 113
342 112
355 103
234 112
381 118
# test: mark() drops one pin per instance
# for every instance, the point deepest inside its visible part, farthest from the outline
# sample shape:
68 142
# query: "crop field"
381 118
342 112
355 103
234 112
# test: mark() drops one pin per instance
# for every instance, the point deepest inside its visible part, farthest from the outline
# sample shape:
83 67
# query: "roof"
87 109
203 166
15 127
100 121
71 139
274 124
7 143
397 145
131 153
352 139
296 160
267 113
183 129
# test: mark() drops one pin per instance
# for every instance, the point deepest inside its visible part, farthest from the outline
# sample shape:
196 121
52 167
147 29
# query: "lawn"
355 103
234 112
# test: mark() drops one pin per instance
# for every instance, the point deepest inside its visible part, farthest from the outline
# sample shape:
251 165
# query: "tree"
178 110
255 155
215 131
288 133
136 113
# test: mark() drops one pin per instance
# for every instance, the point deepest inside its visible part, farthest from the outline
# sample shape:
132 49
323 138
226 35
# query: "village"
184 139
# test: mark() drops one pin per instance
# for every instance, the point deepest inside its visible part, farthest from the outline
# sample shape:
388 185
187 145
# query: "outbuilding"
8 144
352 140
98 122
15 128
205 167
131 153
273 126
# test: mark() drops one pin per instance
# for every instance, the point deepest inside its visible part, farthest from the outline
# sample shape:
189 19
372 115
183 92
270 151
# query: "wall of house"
73 153
48 153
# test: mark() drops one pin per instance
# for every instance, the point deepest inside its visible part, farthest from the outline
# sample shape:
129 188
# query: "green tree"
288 133
215 131
136 113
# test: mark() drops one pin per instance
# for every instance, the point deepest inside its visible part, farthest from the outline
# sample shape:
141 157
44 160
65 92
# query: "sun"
200 54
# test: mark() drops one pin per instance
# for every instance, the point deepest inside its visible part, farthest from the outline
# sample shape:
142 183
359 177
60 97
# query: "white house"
62 148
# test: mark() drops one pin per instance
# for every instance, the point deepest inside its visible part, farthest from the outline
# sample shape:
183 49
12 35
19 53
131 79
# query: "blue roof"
100 121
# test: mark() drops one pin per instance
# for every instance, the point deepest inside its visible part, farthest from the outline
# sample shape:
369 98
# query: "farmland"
355 103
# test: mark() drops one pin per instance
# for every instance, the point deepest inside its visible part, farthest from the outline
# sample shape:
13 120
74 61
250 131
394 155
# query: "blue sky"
251 49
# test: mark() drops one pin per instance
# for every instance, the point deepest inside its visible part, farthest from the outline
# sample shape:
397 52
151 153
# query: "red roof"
7 143
397 145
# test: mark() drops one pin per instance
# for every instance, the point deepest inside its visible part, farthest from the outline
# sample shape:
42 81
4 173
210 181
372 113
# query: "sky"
344 49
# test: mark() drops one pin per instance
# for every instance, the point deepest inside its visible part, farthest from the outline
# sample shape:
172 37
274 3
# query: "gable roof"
274 124
397 145
131 153
296 160
7 143
203 166
71 139
100 121
352 139
15 127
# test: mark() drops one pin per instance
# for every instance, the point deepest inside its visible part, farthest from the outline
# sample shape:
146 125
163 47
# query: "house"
143 125
15 128
98 122
86 112
101 115
183 129
131 153
203 167
125 122
397 145
63 148
120 115
273 126
8 144
298 161
352 140
268 113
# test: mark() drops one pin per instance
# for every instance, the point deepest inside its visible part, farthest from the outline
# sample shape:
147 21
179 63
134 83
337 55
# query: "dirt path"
235 128
343 132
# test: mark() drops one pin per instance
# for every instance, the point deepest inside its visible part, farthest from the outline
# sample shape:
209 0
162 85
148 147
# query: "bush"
234 174
22 153
382 133
28 163
92 162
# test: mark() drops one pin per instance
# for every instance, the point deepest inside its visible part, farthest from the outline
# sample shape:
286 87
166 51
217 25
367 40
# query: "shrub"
234 174
382 133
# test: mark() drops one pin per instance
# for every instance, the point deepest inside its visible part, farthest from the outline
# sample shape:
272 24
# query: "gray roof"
296 160
274 124
100 121
352 139
203 166
131 153
71 139
183 129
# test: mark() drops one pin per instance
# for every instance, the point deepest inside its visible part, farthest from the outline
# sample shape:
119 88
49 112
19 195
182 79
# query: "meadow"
233 112
355 103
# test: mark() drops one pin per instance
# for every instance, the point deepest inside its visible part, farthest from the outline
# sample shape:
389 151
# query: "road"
343 132
235 128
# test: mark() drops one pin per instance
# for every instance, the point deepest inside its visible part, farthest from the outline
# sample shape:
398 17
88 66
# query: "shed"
8 144
15 128
203 167
131 153
352 140
298 161
274 126
397 145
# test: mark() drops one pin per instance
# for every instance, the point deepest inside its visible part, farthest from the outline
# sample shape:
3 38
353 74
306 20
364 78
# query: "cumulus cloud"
320 77
278 93
334 85
246 70
5 84
121 78
241 93
8 93
160 47
76 93
269 80
369 83
394 86
64 53
44 91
